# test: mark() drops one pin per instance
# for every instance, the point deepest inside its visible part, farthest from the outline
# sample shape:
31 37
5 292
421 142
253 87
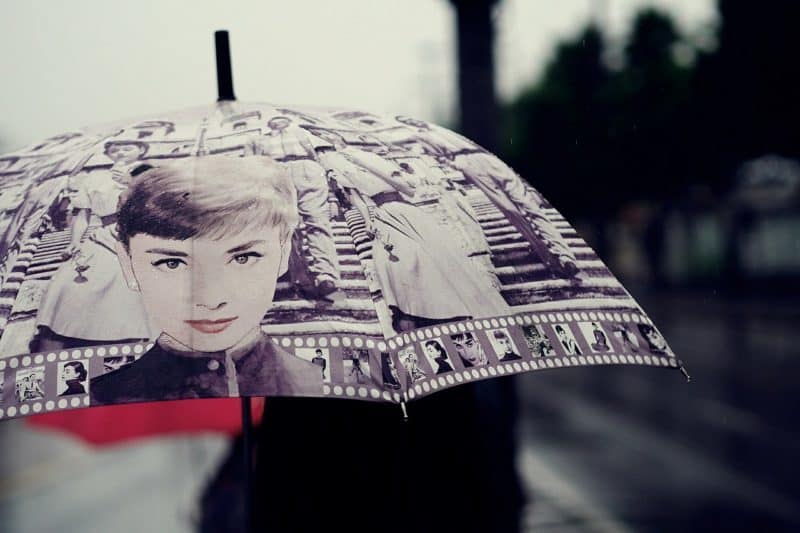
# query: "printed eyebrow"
244 246
166 251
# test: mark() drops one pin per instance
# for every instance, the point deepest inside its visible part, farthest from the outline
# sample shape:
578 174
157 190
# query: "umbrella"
253 249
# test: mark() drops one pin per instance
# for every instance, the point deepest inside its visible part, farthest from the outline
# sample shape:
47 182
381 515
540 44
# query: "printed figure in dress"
519 203
87 300
469 350
567 340
391 378
203 241
289 145
424 276
437 354
600 343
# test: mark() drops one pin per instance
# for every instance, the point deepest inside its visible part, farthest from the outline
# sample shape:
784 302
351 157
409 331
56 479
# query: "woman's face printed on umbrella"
431 350
208 294
69 373
469 350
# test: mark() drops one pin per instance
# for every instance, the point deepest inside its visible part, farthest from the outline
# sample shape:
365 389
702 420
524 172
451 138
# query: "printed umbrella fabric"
259 250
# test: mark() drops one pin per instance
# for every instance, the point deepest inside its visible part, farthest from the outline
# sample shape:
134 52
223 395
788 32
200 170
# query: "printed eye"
247 257
170 263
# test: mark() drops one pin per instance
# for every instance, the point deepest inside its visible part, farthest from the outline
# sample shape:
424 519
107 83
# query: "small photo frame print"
320 357
356 366
567 339
503 345
538 342
29 384
72 378
437 356
596 337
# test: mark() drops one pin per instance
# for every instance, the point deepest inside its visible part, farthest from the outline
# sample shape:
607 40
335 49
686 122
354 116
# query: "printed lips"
211 326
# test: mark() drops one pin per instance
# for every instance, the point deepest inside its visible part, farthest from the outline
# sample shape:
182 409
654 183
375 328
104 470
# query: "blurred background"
665 131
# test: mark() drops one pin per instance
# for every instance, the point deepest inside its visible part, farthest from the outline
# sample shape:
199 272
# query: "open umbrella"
259 249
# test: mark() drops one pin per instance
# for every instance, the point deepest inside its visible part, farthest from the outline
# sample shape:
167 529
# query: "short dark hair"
79 368
208 196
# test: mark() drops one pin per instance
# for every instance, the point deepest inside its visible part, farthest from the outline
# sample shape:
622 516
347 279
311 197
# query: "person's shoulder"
125 384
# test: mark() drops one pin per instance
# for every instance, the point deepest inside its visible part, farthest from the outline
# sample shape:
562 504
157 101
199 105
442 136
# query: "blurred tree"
557 133
476 92
745 96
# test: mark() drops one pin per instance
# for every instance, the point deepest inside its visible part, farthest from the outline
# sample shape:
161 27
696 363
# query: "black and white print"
538 342
29 384
369 226
655 342
626 338
390 374
356 366
411 363
504 346
72 378
437 356
320 357
469 350
567 340
595 337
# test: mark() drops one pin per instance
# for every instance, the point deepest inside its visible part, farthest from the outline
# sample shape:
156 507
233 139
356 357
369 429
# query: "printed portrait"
469 350
72 378
29 384
655 342
567 339
595 337
356 365
537 341
202 241
503 345
437 356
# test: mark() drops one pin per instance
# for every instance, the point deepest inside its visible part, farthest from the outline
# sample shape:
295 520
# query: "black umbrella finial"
224 72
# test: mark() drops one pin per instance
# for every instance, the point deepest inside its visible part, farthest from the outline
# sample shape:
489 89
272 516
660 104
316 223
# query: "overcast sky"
69 64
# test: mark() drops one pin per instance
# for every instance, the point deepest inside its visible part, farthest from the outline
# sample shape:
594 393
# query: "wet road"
639 449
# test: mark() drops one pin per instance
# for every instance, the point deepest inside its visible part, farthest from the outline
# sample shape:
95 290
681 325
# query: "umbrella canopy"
257 249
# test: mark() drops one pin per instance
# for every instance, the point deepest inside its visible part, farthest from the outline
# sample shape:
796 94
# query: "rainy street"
638 449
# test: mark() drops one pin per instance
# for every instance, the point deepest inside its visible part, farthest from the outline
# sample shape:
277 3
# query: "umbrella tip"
405 412
686 374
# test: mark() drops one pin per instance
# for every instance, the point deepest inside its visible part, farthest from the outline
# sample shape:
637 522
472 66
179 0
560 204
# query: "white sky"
69 64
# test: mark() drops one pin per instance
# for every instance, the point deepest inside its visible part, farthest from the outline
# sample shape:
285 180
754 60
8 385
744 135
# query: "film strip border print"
369 382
